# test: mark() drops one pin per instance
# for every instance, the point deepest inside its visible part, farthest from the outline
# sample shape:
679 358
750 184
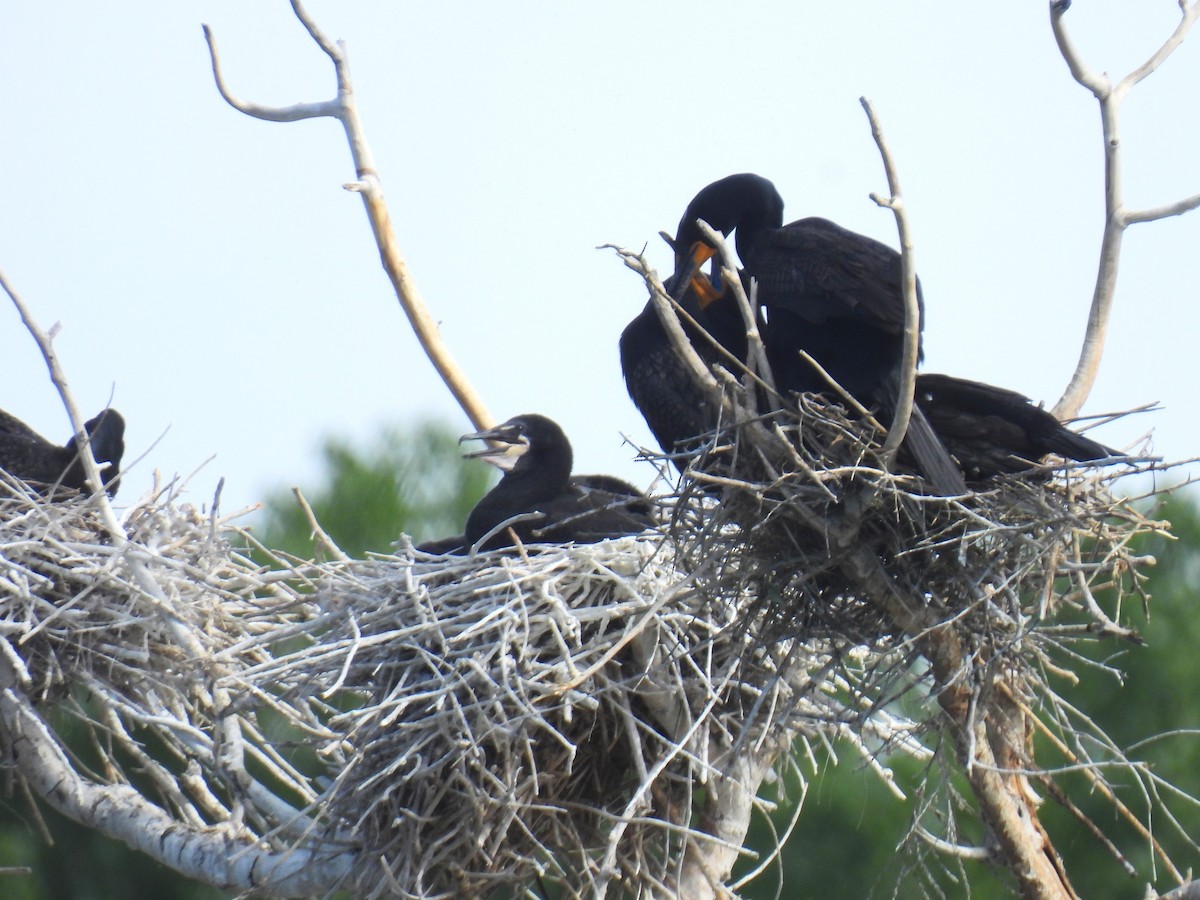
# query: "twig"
319 534
756 363
369 185
152 591
912 311
45 343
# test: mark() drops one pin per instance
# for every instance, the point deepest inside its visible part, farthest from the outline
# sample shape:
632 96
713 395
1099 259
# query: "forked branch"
1117 217
908 276
344 108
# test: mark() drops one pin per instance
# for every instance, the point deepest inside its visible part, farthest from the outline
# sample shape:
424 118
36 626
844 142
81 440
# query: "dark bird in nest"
824 291
994 431
30 457
677 409
538 500
836 295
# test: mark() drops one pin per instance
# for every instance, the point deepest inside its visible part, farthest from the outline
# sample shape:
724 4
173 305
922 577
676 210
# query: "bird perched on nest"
994 431
828 292
677 409
538 500
837 296
30 457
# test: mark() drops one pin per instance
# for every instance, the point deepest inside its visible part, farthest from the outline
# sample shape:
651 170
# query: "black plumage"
675 407
824 290
836 295
994 431
539 498
30 457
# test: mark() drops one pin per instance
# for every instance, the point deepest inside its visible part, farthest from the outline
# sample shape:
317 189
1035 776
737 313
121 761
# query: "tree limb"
1116 218
344 108
908 276
218 855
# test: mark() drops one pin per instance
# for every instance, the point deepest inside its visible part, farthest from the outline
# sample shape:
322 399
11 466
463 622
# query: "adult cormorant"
824 290
30 457
836 295
547 505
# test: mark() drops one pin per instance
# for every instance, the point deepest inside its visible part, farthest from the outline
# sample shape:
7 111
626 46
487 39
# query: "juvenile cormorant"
824 290
30 457
549 505
994 431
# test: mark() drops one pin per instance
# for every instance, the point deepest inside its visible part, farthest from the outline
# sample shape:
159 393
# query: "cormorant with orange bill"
675 407
824 290
837 295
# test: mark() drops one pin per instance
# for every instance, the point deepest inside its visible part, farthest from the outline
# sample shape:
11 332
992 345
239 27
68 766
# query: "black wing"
818 271
993 431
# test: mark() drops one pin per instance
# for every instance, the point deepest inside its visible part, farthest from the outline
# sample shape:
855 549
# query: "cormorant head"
523 442
106 438
747 203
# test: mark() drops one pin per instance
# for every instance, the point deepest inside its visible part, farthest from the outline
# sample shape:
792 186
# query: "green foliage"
1152 714
412 480
845 844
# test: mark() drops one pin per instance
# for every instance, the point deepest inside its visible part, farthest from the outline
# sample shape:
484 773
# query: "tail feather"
932 459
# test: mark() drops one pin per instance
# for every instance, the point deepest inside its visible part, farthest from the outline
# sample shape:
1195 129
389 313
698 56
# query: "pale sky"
210 273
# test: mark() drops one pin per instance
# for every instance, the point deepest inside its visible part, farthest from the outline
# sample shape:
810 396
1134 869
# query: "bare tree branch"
121 812
1117 217
152 591
1178 208
344 108
45 343
908 270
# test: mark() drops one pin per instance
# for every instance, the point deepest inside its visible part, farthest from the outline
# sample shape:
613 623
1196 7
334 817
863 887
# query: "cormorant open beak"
507 446
706 292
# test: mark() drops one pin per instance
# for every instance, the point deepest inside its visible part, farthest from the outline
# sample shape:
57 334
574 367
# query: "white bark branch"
216 855
1178 208
45 342
1117 218
344 108
912 311
152 591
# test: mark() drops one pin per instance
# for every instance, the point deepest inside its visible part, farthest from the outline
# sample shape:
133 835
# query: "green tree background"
412 479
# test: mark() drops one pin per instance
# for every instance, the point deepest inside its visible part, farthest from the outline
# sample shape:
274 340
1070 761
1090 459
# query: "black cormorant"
836 295
538 492
824 290
675 407
30 457
994 431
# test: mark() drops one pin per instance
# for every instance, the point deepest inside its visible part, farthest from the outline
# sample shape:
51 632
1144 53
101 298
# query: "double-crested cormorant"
829 292
545 503
30 457
675 407
836 295
994 431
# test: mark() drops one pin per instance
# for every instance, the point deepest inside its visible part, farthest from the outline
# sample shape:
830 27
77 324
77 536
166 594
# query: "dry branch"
1116 216
368 183
438 726
908 281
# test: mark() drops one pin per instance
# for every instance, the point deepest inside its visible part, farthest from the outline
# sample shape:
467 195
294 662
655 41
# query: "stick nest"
467 725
